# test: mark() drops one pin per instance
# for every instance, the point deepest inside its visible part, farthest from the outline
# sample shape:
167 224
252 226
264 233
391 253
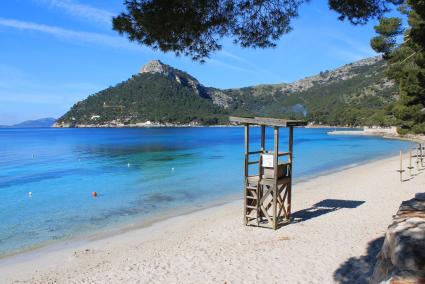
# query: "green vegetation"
406 64
361 100
195 28
145 97
359 95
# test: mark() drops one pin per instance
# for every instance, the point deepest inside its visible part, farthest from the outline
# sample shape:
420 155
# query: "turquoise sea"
139 173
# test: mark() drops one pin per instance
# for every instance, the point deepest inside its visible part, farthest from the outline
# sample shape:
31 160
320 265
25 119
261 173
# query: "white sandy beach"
340 220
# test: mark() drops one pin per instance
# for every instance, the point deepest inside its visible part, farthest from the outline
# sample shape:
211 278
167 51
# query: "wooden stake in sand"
417 159
410 163
401 167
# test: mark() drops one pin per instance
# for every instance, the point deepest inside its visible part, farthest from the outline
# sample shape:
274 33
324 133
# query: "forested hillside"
360 97
355 94
145 97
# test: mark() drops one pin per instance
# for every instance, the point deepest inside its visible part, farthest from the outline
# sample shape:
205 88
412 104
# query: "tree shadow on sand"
323 207
359 269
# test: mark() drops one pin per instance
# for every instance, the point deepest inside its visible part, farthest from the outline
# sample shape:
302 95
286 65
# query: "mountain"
38 123
354 94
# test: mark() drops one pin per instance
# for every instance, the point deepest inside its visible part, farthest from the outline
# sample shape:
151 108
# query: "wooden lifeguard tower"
267 193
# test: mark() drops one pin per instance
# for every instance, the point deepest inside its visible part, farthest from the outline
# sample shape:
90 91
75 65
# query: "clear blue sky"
56 52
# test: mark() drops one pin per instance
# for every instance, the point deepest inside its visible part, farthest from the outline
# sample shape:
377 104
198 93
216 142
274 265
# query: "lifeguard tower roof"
267 121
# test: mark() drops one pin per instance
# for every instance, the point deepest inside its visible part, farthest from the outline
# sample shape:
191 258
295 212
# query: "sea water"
47 176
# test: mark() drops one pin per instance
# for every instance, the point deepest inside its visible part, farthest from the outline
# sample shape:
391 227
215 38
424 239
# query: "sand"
340 220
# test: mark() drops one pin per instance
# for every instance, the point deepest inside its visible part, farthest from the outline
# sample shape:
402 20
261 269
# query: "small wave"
350 166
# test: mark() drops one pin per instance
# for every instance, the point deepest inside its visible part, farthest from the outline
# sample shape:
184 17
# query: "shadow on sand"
359 269
323 207
355 269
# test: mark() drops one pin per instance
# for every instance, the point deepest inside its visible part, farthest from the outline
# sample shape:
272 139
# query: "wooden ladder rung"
251 197
251 207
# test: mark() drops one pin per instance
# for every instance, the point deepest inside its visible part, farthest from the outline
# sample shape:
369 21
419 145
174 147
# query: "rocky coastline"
402 257
137 125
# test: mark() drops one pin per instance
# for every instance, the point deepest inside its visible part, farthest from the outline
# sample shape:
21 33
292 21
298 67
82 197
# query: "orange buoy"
94 194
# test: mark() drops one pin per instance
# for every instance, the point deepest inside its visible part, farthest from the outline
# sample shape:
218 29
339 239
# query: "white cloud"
347 55
251 67
227 65
72 35
119 42
234 56
83 11
350 48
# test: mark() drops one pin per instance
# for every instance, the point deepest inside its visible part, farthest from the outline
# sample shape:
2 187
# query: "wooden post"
246 171
275 164
263 137
290 150
261 171
417 159
401 167
410 163
246 149
262 149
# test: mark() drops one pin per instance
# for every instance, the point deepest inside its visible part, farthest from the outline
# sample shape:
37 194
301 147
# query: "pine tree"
406 64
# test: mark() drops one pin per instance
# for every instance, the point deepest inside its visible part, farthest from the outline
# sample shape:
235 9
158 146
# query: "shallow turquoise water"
137 173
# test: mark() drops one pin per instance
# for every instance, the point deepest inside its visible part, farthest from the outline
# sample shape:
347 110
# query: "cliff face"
327 77
157 67
162 94
343 73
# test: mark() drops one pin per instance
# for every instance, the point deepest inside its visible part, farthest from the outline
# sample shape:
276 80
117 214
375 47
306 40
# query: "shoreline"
173 125
141 222
137 125
115 229
158 227
386 133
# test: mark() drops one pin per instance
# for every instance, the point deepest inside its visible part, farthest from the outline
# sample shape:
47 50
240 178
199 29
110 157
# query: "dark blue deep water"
138 173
